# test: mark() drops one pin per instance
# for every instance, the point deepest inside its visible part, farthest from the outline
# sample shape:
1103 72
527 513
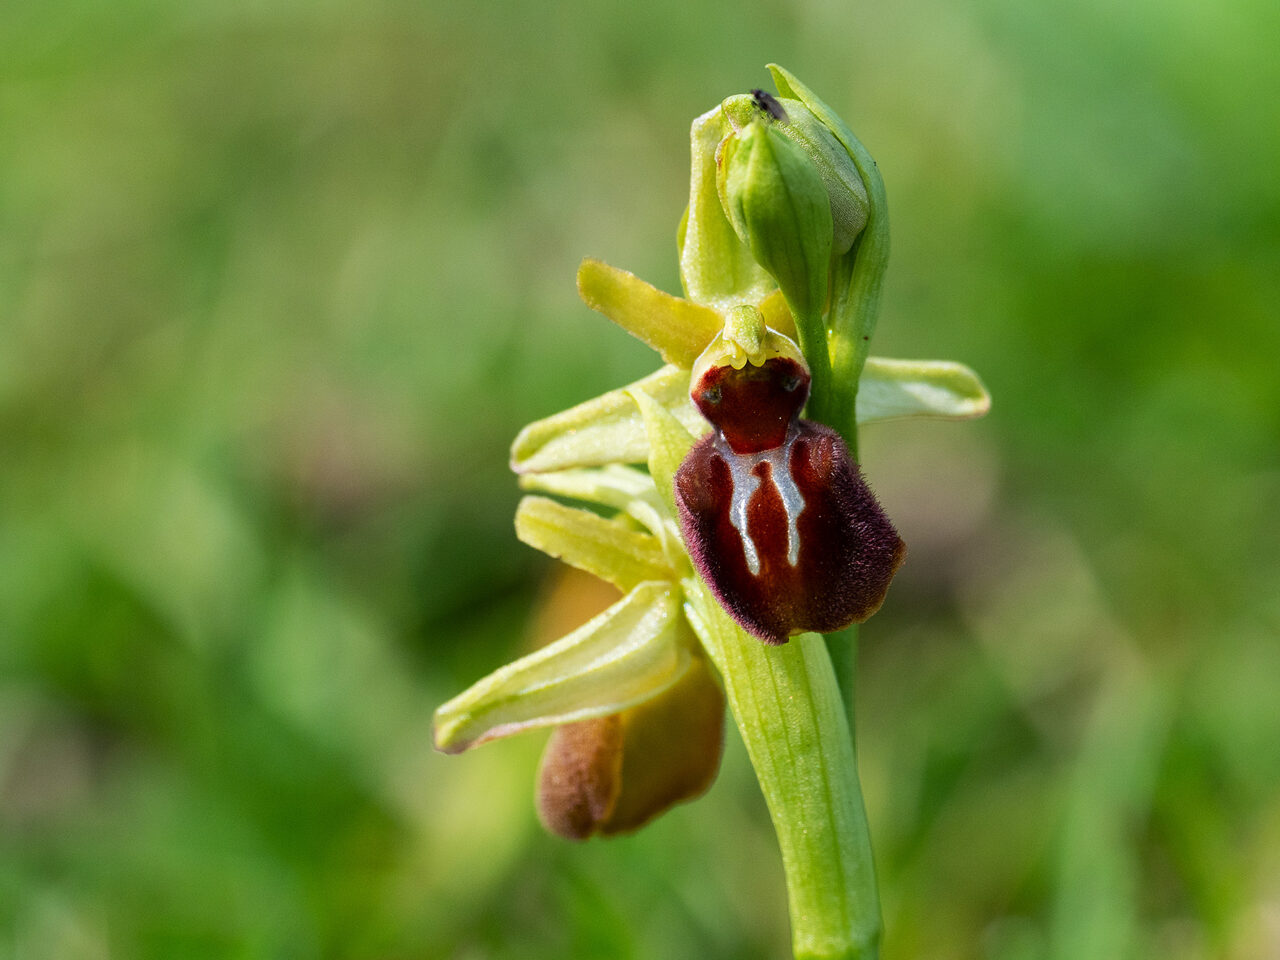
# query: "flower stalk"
790 712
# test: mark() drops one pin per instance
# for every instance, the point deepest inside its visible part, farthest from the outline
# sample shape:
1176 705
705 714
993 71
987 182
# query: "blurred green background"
280 280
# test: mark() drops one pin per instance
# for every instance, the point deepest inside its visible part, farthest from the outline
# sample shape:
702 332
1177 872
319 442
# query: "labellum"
774 511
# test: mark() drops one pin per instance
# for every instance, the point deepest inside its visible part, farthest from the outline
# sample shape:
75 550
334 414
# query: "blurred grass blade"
624 557
1098 894
629 653
606 429
894 389
676 328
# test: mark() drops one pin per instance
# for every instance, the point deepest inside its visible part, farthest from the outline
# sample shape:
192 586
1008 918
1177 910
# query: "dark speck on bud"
768 104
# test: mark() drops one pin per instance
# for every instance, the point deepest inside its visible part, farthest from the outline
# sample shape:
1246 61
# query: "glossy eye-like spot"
711 395
791 384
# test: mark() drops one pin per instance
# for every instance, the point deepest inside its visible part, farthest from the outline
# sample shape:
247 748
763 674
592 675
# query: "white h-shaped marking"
745 483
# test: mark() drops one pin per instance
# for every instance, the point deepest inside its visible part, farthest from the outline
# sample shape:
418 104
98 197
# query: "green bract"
786 233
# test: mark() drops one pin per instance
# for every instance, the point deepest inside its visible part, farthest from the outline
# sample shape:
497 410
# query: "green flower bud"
777 202
798 124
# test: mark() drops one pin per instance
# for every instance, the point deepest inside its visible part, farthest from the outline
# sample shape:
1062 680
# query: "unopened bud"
797 123
777 202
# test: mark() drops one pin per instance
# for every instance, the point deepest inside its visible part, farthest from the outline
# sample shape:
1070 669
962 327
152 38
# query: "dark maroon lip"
774 511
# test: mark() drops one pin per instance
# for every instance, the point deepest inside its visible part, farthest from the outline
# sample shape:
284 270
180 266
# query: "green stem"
823 400
858 280
842 647
789 709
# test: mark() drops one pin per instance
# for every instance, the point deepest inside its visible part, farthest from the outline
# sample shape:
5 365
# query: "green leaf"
677 329
716 267
607 429
631 652
586 540
893 389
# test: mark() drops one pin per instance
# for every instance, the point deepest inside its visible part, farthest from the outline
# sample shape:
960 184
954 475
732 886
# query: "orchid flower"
737 530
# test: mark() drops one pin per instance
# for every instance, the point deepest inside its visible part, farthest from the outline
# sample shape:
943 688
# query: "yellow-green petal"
622 488
676 328
586 540
631 652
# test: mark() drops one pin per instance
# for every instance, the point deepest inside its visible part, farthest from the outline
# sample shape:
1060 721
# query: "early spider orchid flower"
639 668
774 511
751 522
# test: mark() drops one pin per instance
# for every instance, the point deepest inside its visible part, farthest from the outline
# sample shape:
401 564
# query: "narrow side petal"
939 389
586 540
631 652
606 429
669 441
676 328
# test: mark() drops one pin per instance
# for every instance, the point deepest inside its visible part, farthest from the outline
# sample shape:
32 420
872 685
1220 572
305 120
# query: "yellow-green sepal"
678 329
716 267
609 549
606 429
931 389
631 652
